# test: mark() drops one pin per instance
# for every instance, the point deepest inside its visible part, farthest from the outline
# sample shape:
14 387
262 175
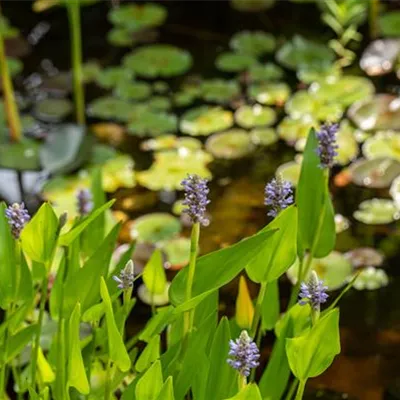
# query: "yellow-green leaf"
167 391
154 274
46 373
250 392
244 306
150 384
149 354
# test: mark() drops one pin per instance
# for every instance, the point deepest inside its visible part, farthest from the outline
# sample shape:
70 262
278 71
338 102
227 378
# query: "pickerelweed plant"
66 305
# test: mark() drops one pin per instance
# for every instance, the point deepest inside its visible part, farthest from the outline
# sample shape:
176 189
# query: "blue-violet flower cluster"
17 216
278 195
126 276
313 292
327 145
243 354
84 202
196 198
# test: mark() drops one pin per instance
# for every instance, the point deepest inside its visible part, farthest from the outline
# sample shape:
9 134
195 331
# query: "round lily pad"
347 144
377 173
151 123
263 136
112 76
219 90
109 131
325 72
158 60
232 144
377 212
381 145
266 72
292 130
273 93
153 298
177 252
161 103
52 110
365 257
290 172
255 43
204 120
371 279
300 53
381 112
234 62
255 116
160 87
21 156
155 227
252 5
334 269
120 37
90 71
135 17
118 173
389 23
110 108
133 90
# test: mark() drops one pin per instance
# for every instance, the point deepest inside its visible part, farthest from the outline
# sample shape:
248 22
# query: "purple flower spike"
327 145
278 195
243 354
196 200
313 292
18 217
126 276
84 202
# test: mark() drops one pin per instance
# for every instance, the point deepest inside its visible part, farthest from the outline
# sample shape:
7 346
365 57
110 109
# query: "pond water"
370 319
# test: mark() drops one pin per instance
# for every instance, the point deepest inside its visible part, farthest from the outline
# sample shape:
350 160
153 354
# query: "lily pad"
380 56
255 116
15 66
155 227
230 145
302 53
341 223
133 90
219 91
266 72
151 123
120 37
158 60
377 212
252 5
21 156
135 17
323 73
172 166
273 93
347 144
204 120
290 172
365 257
254 44
177 252
160 87
118 173
263 136
292 130
377 173
111 77
334 269
371 279
395 190
90 71
234 62
381 112
52 110
161 103
381 145
110 108
389 23
153 298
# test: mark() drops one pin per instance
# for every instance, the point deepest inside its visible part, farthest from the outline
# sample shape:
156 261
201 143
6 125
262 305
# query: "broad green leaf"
316 226
39 237
199 384
94 314
57 289
216 269
76 369
311 354
150 384
154 274
244 306
150 354
250 392
116 346
67 238
7 261
18 341
270 308
46 373
25 285
222 379
280 249
167 391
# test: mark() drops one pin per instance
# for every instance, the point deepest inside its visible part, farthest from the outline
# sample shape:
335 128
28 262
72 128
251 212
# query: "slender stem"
242 381
292 389
13 119
344 291
3 371
373 18
300 390
107 388
296 288
17 379
74 17
257 312
259 336
35 348
91 356
189 315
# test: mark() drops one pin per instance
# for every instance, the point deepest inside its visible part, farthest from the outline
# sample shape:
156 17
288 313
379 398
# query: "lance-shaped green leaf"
7 261
18 341
25 284
116 347
311 354
150 354
76 369
280 251
46 372
270 308
216 269
316 225
39 237
150 384
250 392
154 274
167 391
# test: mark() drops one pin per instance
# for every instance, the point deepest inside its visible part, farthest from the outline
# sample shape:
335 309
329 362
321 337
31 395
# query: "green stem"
60 378
35 348
107 389
300 390
3 371
242 382
257 312
344 291
373 18
296 289
292 389
11 109
17 379
189 315
74 18
91 356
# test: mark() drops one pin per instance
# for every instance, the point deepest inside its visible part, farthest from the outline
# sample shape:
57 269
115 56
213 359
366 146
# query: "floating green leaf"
252 116
234 62
253 43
